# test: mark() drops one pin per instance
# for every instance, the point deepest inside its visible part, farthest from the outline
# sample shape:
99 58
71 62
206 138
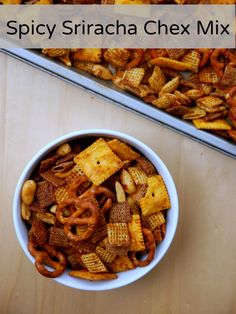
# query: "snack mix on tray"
94 205
204 95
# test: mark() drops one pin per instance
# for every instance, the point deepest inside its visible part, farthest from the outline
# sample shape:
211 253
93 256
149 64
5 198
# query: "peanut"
28 192
63 150
25 211
47 217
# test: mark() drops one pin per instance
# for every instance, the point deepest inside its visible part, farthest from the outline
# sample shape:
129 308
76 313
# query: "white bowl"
124 278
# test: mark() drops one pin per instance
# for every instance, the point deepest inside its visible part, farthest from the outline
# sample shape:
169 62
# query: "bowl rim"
137 144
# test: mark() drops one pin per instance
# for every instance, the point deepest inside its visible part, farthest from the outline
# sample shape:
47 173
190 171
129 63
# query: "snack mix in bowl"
94 207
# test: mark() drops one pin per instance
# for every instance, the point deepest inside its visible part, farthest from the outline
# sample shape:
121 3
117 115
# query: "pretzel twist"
216 64
136 60
75 219
74 186
149 246
94 191
232 97
231 56
107 205
66 204
205 56
44 257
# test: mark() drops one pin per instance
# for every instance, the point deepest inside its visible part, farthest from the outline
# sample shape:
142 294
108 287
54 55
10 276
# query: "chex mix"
96 207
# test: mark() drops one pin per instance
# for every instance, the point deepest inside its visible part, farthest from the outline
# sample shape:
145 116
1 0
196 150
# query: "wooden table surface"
197 275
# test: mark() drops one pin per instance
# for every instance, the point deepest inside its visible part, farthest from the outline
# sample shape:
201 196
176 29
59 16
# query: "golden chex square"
209 101
93 263
156 197
170 86
157 80
118 234
105 255
195 113
136 234
98 161
208 75
138 175
193 59
61 193
133 77
155 220
117 57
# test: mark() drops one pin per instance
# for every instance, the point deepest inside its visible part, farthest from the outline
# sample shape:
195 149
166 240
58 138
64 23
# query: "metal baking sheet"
119 97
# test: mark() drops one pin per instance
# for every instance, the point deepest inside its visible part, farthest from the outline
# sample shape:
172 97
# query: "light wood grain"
198 274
